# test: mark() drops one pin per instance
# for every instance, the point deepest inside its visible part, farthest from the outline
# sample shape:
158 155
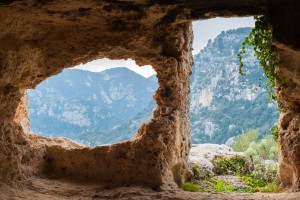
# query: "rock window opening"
232 145
102 102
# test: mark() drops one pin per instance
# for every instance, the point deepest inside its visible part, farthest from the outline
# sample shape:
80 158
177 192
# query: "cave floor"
56 189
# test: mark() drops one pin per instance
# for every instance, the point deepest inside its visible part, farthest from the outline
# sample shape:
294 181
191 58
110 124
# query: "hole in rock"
101 102
231 116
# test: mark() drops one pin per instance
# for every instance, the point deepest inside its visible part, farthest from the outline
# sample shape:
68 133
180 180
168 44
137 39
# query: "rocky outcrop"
203 154
40 38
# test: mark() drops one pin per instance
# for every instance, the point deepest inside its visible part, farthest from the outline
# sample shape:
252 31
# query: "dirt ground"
45 189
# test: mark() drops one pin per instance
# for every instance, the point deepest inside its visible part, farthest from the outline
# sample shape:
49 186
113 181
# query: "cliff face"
224 103
41 38
288 46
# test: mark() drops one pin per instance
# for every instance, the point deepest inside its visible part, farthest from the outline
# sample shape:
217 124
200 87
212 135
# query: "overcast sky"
203 31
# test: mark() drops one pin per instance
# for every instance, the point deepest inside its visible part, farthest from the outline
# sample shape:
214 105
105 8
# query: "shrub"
220 186
263 172
261 38
258 185
274 130
266 148
253 182
190 186
271 187
234 165
242 142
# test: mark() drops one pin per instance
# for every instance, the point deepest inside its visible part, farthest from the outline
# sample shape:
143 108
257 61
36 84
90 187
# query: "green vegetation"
257 175
221 186
254 185
234 165
274 131
258 185
248 142
265 149
243 140
190 186
261 38
256 169
253 182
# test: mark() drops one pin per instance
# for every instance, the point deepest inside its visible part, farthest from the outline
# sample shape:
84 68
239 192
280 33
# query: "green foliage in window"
261 39
274 131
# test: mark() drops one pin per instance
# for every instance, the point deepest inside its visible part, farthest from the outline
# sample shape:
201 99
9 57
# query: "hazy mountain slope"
119 133
76 100
222 101
109 107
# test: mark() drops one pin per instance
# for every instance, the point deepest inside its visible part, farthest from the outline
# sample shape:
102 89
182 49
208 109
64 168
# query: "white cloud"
105 63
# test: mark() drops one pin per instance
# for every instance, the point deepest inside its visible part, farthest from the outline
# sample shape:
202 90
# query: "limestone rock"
203 154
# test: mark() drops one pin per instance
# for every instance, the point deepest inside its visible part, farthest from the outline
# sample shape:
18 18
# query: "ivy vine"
261 39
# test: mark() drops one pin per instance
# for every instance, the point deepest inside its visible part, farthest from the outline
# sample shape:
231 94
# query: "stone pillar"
286 31
158 154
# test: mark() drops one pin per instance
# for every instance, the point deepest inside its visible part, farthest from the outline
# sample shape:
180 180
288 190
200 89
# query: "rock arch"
39 39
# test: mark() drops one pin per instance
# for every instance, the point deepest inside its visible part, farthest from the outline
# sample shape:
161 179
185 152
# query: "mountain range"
223 103
108 107
77 101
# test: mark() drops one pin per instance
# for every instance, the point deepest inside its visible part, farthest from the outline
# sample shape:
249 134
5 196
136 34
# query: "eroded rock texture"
286 38
39 39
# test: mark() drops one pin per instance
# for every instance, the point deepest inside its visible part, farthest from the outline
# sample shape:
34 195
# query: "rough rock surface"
288 46
39 38
203 154
61 190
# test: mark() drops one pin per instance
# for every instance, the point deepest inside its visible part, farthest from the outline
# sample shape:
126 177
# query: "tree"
243 141
265 148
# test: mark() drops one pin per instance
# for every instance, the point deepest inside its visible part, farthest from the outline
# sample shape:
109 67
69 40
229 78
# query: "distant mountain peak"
77 100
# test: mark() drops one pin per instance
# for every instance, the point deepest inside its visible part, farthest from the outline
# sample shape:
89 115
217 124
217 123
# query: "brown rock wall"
286 32
39 39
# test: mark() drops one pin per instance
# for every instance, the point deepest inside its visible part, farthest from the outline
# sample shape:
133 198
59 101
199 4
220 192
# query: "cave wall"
39 39
286 31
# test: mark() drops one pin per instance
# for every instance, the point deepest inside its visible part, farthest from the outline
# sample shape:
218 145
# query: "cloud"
105 63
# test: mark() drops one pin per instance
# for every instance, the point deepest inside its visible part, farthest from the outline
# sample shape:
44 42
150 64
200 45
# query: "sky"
105 63
203 31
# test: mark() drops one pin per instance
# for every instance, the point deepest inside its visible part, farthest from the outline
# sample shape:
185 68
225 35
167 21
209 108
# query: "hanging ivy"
261 39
